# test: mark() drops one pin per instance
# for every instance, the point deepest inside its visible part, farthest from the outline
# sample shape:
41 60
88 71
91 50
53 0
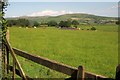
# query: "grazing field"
97 50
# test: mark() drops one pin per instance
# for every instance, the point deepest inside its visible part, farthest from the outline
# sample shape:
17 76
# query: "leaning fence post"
7 34
117 77
14 66
80 73
7 51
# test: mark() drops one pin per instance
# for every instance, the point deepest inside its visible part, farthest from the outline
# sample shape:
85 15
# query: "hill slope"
79 17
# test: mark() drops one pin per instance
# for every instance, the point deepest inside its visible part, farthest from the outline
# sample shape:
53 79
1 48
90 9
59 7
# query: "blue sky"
16 9
64 0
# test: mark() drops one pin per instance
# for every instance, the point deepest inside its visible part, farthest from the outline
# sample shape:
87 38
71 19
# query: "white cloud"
51 13
11 16
115 7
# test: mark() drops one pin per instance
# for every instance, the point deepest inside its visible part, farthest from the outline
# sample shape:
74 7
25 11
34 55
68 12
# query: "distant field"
101 28
97 50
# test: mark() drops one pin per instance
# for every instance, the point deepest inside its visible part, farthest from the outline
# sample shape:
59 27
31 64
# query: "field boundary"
75 73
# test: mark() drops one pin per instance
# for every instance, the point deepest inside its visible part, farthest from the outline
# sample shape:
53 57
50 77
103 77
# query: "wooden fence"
75 73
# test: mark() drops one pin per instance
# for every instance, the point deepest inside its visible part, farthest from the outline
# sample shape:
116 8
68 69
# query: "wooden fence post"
16 61
7 34
117 77
7 54
80 73
14 66
5 60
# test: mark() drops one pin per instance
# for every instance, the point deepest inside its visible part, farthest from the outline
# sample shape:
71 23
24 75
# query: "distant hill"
78 16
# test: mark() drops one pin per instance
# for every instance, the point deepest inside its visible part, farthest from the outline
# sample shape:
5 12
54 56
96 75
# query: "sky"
64 0
18 8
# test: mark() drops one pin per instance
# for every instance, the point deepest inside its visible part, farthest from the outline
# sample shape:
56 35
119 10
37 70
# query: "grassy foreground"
97 50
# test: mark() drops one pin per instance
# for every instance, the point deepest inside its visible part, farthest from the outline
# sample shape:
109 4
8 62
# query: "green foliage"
68 23
3 22
36 24
19 22
93 28
65 23
11 23
52 23
43 23
3 29
62 23
23 22
75 23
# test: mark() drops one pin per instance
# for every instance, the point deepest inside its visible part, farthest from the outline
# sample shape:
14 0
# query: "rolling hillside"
80 17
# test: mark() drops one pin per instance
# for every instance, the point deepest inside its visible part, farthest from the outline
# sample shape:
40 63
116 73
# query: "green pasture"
97 50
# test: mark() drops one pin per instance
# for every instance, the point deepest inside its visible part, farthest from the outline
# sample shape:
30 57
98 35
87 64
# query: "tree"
68 23
61 24
23 22
36 24
52 23
19 22
75 23
11 23
65 24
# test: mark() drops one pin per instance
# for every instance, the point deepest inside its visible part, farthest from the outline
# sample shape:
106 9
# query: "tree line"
21 22
27 23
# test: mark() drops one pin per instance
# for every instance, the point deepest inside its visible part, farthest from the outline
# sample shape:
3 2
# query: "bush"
93 28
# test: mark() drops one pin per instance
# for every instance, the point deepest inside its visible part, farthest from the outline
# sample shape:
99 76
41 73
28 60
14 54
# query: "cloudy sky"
17 8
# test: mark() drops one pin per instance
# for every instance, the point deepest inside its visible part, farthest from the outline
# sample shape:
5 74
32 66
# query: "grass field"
97 50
